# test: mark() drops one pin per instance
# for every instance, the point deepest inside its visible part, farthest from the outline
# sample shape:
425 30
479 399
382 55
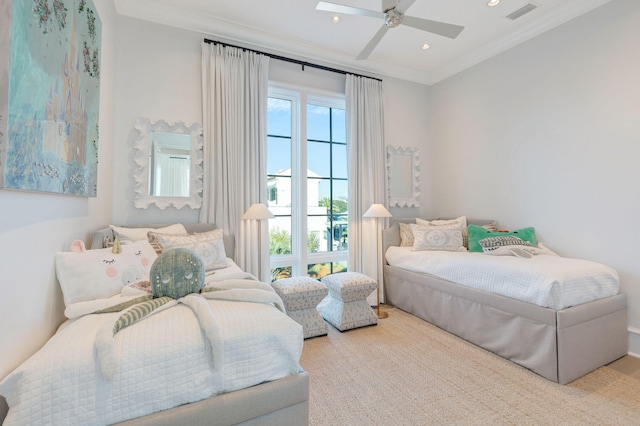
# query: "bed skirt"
280 402
560 345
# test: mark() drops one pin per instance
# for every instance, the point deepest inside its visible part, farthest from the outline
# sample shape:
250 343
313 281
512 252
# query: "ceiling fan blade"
404 5
347 10
373 43
435 27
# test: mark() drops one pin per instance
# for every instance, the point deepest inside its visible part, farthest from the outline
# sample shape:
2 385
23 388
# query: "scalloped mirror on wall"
403 176
167 168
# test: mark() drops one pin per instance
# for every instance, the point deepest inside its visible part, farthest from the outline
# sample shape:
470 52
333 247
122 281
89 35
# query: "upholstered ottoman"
346 307
301 295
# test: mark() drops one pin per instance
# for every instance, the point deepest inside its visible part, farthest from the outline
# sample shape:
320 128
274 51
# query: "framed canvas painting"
49 95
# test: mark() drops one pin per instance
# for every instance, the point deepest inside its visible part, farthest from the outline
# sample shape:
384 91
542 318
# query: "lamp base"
382 315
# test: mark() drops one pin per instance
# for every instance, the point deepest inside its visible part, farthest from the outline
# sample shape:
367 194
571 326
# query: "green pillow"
477 233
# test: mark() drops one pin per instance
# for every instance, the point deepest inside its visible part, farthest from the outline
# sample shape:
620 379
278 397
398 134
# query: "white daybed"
274 394
558 344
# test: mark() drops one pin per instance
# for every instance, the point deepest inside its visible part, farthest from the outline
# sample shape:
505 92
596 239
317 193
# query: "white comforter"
545 280
162 361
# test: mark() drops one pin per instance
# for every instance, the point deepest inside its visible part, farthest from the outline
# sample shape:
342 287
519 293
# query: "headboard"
391 235
107 234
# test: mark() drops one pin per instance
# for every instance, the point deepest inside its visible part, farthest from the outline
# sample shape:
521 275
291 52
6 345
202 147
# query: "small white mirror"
167 164
403 176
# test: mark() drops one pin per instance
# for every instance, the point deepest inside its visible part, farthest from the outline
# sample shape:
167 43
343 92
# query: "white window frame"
300 97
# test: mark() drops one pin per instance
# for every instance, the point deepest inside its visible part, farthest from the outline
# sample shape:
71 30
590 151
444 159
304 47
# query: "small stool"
301 295
346 307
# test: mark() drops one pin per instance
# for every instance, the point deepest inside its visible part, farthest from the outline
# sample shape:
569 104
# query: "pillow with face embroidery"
97 274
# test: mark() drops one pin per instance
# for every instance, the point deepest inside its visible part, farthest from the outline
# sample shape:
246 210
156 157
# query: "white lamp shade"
377 210
257 211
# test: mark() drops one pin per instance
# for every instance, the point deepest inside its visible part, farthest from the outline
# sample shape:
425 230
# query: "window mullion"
302 193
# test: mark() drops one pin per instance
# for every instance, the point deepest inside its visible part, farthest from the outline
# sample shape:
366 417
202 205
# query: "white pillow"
97 274
137 234
448 238
209 245
462 221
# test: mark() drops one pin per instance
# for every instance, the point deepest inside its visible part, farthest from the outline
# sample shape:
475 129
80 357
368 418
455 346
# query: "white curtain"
366 167
175 179
235 90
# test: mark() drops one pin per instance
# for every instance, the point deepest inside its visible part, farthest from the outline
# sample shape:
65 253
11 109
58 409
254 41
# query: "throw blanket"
245 288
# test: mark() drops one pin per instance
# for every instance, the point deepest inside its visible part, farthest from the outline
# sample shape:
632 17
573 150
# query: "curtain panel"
234 104
366 170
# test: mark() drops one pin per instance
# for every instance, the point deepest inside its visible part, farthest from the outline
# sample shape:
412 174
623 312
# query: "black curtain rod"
294 61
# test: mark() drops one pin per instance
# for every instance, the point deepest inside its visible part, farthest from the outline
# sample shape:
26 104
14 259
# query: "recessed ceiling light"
492 3
335 19
425 46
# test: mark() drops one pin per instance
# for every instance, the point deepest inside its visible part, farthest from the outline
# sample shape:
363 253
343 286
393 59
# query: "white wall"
33 226
547 135
406 112
158 76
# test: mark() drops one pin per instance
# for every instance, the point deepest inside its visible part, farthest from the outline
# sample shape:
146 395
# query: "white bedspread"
545 280
163 361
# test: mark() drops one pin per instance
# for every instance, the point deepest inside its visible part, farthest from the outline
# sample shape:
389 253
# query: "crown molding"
552 19
253 37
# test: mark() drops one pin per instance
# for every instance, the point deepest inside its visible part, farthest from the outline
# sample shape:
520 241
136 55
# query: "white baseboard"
634 341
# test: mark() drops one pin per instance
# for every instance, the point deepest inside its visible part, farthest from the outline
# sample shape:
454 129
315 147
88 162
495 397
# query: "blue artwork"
50 140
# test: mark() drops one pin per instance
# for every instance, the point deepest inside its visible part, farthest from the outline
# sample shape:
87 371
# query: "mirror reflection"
170 163
400 185
403 176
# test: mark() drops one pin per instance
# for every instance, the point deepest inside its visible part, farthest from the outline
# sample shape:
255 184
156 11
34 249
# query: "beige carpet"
405 371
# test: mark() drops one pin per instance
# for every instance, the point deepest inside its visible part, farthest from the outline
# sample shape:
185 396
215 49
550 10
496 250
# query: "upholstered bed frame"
560 345
280 402
284 401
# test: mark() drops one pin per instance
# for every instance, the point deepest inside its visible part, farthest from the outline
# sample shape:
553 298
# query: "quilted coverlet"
549 281
163 361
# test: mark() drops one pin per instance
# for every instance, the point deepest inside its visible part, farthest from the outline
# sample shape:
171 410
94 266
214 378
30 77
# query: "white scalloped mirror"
167 164
403 176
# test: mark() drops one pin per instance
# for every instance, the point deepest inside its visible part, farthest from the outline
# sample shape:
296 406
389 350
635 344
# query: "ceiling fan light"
393 18
336 19
492 3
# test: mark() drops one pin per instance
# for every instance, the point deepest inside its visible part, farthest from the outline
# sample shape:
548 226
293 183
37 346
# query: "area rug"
405 371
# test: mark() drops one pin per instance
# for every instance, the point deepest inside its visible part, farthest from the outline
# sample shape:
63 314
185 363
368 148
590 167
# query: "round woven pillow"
176 273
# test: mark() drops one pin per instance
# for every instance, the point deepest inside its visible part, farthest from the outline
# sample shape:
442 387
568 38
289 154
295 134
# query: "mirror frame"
140 172
414 184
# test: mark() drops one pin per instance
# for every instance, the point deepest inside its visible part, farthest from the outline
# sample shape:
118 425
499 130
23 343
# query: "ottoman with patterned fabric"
346 307
301 295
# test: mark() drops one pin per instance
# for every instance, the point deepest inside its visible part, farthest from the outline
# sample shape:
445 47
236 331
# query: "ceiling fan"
393 15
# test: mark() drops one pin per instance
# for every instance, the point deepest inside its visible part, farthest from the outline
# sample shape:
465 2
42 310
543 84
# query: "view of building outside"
307 239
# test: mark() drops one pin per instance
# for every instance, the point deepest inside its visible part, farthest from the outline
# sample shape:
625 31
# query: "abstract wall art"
49 95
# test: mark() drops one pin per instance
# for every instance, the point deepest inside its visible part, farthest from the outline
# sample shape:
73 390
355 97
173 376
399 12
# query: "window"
307 183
